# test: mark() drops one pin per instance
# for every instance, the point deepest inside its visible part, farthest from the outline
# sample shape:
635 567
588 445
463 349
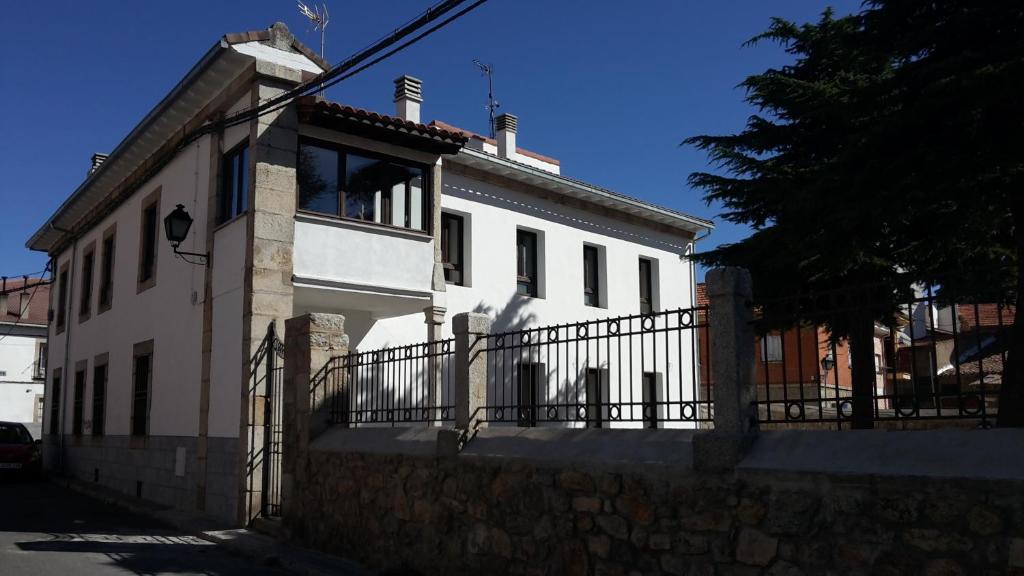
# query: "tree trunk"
862 351
1011 391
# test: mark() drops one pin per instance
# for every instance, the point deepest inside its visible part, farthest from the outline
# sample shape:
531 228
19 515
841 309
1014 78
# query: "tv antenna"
319 17
492 104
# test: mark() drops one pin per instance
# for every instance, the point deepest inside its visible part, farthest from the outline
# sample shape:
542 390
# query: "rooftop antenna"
319 17
492 104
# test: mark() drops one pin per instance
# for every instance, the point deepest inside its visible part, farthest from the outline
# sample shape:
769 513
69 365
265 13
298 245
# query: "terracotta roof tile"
383 120
38 306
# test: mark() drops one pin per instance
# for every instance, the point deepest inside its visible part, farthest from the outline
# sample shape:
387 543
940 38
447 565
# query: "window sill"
338 222
145 285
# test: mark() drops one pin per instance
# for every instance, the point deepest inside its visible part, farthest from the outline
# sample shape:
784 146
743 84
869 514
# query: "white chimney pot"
505 131
408 97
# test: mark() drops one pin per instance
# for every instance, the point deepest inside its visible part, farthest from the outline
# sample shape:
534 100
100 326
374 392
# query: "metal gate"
263 465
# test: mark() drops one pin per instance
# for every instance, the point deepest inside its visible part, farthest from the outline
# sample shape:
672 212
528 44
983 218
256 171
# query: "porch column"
434 317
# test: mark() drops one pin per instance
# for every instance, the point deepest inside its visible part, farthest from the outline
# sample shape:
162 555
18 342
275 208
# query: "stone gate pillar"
311 340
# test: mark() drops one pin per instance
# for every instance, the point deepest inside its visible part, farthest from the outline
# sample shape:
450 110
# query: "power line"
348 67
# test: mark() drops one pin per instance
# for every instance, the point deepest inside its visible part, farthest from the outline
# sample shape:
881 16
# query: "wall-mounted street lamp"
176 227
828 362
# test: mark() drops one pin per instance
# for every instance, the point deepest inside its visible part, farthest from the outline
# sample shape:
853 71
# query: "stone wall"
417 514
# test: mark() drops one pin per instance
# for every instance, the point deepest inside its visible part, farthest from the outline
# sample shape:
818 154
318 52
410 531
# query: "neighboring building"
801 365
23 307
316 207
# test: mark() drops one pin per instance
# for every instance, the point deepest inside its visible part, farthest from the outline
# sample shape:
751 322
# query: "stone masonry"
472 515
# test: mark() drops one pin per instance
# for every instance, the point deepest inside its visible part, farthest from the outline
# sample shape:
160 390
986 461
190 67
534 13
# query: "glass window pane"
384 191
318 179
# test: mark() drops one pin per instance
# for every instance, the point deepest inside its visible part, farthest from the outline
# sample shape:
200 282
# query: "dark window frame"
85 291
149 241
141 400
342 152
62 298
105 298
527 265
597 390
591 276
233 196
529 376
650 387
100 366
55 390
454 272
78 399
646 274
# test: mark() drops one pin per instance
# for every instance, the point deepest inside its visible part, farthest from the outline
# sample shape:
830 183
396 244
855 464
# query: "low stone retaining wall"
479 514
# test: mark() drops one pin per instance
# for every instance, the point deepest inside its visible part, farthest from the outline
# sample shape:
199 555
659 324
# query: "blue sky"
608 87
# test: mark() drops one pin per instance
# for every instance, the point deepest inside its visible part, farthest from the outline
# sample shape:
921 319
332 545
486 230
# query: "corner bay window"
233 196
452 230
526 263
362 186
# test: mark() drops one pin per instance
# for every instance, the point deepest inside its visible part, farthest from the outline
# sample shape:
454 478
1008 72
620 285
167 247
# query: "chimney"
505 131
97 159
408 96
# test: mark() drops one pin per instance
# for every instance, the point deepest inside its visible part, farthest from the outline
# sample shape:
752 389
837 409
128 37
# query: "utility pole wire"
350 66
35 287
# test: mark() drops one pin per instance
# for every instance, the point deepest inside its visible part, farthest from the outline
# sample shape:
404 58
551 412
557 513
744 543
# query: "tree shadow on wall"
514 315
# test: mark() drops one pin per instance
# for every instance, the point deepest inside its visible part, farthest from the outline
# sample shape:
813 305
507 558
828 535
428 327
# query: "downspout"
65 380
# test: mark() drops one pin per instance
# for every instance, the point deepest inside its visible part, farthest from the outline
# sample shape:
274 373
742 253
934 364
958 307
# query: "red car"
18 452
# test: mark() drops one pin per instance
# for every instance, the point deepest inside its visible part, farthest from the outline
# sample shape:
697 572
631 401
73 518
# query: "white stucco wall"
18 386
170 313
492 215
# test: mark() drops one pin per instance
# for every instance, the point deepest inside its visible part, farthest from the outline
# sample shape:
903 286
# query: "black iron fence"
265 433
631 371
932 361
399 386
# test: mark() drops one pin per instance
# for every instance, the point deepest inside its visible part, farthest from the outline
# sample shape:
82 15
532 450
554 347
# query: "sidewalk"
251 544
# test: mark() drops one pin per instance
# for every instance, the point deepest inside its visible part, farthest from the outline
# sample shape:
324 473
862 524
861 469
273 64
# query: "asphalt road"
48 530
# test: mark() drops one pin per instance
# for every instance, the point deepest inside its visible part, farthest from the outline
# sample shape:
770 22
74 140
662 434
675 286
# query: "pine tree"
889 153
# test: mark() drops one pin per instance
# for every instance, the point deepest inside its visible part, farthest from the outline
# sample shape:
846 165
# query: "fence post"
310 341
471 332
732 369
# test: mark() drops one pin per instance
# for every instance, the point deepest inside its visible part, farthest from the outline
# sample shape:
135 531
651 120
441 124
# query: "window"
233 196
591 277
99 399
40 372
79 401
651 397
646 287
526 263
771 348
362 186
452 248
62 293
147 241
597 397
106 272
85 292
878 363
37 416
55 403
530 374
142 375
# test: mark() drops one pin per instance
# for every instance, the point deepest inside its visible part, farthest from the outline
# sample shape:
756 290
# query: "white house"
23 306
314 207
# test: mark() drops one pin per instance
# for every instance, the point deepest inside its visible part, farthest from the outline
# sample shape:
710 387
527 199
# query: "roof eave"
561 184
49 234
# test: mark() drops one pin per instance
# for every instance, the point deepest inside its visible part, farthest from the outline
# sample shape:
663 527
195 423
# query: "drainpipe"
65 380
